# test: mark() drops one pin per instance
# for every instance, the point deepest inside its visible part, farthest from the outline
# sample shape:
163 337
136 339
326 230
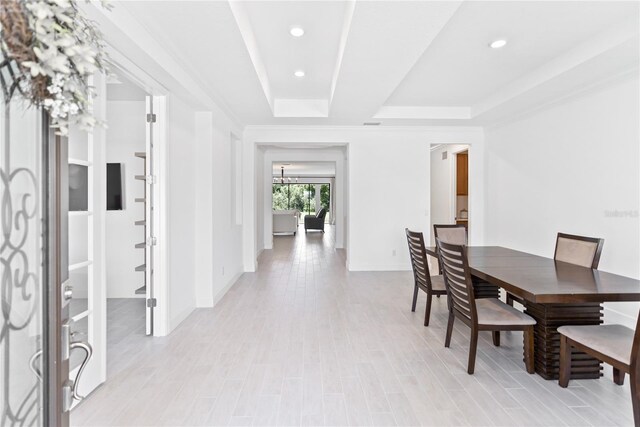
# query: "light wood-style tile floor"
304 342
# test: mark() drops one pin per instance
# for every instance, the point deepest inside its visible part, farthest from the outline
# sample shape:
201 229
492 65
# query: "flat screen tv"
78 188
114 186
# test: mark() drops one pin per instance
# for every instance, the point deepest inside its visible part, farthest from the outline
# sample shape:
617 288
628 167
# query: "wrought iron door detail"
21 264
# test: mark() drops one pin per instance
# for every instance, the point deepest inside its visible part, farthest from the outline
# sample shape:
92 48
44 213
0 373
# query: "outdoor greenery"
300 197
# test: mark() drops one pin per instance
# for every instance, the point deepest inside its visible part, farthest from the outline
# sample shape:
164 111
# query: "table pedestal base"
547 339
483 289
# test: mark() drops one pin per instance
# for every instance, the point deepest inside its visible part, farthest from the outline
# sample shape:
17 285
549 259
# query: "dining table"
555 293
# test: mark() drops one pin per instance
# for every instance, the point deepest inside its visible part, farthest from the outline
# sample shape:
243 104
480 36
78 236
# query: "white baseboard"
614 316
378 267
229 285
176 320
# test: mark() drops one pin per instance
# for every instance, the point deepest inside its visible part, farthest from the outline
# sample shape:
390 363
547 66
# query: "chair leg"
496 338
528 350
415 298
427 311
565 362
447 340
635 396
473 347
618 376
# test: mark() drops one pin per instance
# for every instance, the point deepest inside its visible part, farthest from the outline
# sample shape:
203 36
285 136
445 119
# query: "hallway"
302 341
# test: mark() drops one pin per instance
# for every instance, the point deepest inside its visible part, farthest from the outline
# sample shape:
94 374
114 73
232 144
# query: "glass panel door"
22 276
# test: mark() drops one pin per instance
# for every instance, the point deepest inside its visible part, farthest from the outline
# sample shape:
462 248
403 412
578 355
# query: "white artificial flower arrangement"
55 50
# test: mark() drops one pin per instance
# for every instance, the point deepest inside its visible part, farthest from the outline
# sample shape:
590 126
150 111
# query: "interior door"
83 283
24 344
150 190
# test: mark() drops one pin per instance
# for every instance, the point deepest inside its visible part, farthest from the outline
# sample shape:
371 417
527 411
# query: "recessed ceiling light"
299 73
497 44
296 31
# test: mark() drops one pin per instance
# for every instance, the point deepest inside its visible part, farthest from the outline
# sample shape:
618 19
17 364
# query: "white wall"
218 237
260 201
387 184
125 135
563 169
204 209
227 242
442 183
181 206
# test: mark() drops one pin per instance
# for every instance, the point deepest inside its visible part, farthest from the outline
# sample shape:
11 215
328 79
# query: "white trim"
161 326
440 129
614 316
423 112
243 22
350 8
225 289
175 321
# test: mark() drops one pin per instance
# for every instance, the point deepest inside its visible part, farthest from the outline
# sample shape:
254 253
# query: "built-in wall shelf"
143 222
79 265
79 162
80 213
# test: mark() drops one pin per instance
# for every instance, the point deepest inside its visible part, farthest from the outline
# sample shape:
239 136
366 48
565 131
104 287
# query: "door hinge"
152 302
150 179
151 118
152 241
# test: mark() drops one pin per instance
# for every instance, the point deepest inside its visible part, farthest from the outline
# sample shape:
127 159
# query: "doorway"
128 226
112 235
449 185
301 189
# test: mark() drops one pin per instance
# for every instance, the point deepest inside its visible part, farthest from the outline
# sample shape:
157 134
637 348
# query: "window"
301 197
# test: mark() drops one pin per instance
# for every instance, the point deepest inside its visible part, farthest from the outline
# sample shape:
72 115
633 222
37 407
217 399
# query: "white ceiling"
536 33
305 169
121 88
397 62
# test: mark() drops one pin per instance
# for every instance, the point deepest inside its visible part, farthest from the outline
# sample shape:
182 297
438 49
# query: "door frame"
160 212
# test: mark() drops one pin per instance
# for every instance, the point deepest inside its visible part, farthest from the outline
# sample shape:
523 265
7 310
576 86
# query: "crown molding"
329 128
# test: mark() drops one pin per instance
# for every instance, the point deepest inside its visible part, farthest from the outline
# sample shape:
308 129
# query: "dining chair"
572 249
488 314
451 233
432 285
616 345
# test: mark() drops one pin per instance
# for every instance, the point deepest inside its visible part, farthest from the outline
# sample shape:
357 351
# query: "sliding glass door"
306 198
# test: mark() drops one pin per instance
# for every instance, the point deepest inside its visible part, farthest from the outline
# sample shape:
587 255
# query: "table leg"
549 318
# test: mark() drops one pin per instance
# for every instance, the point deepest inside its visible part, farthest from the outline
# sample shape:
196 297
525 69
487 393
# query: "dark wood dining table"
555 293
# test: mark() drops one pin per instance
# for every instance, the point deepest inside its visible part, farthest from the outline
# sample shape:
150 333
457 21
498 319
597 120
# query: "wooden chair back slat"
418 255
453 259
